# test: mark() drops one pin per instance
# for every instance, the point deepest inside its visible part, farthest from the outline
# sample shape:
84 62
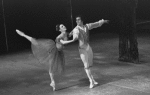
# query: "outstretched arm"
96 24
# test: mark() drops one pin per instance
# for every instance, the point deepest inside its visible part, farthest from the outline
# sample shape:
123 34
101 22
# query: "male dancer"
81 33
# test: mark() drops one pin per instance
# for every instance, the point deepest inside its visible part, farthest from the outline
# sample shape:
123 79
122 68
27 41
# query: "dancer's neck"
63 31
82 26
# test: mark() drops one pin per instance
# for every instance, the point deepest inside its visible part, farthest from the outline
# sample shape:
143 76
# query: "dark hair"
57 27
81 17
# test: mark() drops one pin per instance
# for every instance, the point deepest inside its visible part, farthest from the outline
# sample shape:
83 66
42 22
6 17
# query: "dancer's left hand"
70 34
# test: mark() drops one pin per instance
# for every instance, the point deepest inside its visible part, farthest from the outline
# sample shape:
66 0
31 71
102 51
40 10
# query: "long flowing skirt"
47 53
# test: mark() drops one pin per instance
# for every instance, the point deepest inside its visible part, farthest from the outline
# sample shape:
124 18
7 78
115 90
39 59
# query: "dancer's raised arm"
96 24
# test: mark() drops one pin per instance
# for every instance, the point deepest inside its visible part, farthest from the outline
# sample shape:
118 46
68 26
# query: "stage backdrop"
38 18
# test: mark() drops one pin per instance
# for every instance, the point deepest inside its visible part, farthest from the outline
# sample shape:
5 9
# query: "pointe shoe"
20 33
53 86
91 85
95 82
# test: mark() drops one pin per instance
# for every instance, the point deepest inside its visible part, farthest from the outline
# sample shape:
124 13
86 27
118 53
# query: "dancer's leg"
31 39
52 84
24 35
88 72
84 59
90 60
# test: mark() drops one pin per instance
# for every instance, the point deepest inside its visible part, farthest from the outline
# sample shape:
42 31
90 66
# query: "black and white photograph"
74 47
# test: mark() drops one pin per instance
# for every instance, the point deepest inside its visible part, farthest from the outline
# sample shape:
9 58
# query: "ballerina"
49 51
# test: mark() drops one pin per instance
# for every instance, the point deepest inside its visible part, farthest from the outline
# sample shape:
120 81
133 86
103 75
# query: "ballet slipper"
20 33
95 82
53 86
91 85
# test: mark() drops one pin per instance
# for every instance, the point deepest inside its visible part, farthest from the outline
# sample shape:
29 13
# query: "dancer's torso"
83 36
62 36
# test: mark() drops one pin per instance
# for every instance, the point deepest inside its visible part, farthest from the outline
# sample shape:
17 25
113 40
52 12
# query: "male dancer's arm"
96 24
75 34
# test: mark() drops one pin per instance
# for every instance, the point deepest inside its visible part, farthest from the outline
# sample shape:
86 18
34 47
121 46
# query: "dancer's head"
79 20
61 28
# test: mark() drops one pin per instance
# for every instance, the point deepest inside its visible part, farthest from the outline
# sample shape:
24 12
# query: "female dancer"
47 51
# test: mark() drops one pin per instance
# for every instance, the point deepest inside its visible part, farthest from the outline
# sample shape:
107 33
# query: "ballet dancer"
49 51
81 33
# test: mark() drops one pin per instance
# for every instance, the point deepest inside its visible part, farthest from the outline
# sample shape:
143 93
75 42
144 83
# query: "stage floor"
22 74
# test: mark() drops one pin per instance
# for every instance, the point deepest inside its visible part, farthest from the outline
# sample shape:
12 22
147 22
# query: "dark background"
38 18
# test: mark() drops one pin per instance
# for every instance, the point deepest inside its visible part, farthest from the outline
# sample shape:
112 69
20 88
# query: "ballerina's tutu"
46 52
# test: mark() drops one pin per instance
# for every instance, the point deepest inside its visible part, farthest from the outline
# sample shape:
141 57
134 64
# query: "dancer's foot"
26 36
95 82
53 86
91 85
20 33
